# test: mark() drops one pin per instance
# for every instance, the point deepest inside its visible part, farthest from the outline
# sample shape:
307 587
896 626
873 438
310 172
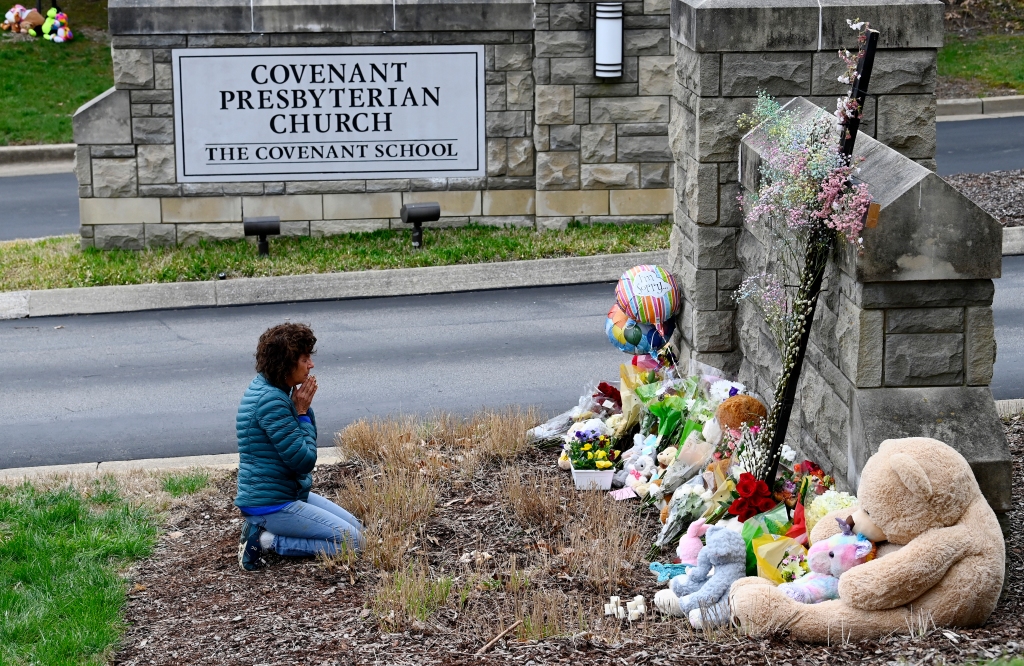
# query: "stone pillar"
903 341
725 54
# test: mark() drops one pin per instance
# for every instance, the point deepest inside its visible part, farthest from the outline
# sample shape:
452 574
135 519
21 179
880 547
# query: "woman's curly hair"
279 351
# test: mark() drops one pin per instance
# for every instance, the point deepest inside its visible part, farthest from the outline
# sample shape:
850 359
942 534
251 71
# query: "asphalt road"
1008 307
977 146
160 384
157 384
34 206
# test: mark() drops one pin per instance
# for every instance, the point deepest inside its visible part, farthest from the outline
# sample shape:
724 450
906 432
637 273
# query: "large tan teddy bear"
943 563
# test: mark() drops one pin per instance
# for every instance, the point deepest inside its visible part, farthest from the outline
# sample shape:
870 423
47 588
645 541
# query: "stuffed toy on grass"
945 563
700 595
828 560
13 18
55 28
31 22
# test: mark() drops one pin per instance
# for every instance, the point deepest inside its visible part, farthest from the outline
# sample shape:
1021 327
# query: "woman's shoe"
250 553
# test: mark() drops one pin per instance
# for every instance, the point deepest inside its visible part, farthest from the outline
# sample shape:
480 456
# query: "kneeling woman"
277 451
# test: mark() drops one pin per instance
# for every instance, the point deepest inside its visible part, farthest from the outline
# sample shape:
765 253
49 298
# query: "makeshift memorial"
701 595
922 495
828 560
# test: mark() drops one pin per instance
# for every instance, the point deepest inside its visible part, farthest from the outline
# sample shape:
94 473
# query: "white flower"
844 79
788 454
712 432
720 389
855 26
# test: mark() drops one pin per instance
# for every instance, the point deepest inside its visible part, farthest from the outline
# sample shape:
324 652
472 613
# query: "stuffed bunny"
700 596
690 545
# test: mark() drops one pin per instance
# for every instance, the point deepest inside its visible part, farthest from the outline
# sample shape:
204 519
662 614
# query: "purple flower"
733 391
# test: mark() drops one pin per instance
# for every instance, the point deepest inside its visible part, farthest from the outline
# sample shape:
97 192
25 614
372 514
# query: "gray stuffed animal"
699 595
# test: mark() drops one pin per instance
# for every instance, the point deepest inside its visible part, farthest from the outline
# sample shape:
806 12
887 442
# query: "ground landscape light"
261 227
418 213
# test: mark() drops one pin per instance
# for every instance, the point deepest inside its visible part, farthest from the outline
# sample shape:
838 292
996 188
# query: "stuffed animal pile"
53 27
943 561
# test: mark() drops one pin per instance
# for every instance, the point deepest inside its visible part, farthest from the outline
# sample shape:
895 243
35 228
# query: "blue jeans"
318 525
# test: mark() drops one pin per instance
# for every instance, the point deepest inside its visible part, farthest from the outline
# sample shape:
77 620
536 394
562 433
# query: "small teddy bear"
828 560
699 595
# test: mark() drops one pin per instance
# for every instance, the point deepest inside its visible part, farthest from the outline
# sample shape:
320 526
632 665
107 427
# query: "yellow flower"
590 456
603 464
587 447
601 454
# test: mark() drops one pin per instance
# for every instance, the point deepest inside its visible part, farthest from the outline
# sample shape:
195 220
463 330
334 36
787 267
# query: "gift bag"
770 550
775 521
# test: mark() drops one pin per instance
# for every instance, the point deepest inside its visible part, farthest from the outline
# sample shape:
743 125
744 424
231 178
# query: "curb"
1013 242
44 153
323 286
973 108
327 455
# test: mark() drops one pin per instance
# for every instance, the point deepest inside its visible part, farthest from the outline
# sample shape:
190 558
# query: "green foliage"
42 84
57 262
187 483
60 594
995 60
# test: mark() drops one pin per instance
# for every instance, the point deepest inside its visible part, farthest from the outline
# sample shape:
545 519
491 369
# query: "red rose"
747 485
743 509
762 489
765 504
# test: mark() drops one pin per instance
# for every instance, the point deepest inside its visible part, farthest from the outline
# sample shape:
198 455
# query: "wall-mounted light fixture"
608 39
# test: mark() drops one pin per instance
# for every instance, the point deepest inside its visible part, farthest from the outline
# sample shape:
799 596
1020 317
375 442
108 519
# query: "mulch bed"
190 604
1000 193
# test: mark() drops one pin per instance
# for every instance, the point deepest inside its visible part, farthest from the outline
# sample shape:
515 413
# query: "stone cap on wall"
803 25
178 17
925 229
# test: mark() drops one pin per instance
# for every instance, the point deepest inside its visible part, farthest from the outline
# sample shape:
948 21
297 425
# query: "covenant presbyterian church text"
282 94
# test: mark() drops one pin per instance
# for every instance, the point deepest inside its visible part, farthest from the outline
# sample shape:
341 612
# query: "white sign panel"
328 113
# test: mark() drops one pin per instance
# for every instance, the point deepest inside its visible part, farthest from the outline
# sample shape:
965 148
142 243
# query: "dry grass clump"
391 504
607 540
441 443
408 596
537 501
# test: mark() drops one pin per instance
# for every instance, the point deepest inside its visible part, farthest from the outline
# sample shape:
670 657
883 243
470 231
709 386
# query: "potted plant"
592 457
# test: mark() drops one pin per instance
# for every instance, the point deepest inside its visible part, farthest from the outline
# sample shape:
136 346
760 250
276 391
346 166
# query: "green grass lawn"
57 262
995 60
60 592
42 84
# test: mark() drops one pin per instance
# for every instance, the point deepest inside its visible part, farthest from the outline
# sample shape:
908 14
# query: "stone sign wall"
560 144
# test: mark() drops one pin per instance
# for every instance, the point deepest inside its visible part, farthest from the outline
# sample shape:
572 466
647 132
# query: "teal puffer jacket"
276 451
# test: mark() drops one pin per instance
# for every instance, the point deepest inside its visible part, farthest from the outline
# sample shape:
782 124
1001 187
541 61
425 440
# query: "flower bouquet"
593 460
